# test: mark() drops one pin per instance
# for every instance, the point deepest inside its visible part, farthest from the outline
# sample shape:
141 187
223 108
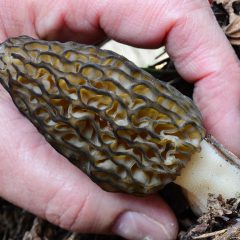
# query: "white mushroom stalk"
213 170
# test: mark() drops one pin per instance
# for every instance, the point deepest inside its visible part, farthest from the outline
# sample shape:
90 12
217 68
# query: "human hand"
34 176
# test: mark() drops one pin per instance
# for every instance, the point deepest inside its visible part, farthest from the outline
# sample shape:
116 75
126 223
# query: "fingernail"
138 226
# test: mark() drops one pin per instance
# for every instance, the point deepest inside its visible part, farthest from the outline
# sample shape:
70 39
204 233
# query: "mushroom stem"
212 170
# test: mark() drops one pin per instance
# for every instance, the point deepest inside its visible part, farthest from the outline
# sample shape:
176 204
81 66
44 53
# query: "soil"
222 221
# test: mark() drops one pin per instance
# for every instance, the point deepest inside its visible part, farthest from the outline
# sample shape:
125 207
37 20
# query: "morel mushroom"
125 129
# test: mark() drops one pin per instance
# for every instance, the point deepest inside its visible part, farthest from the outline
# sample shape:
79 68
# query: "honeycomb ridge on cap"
125 129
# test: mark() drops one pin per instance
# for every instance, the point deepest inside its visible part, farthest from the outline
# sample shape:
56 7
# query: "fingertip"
152 220
128 216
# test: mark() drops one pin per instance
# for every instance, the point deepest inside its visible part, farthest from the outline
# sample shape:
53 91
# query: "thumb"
37 178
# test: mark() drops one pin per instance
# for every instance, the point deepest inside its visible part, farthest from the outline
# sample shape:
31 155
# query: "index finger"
195 42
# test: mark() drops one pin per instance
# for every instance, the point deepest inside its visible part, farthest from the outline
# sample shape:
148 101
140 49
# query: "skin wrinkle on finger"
142 24
60 21
3 32
15 24
78 214
217 95
68 216
198 60
225 96
98 15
